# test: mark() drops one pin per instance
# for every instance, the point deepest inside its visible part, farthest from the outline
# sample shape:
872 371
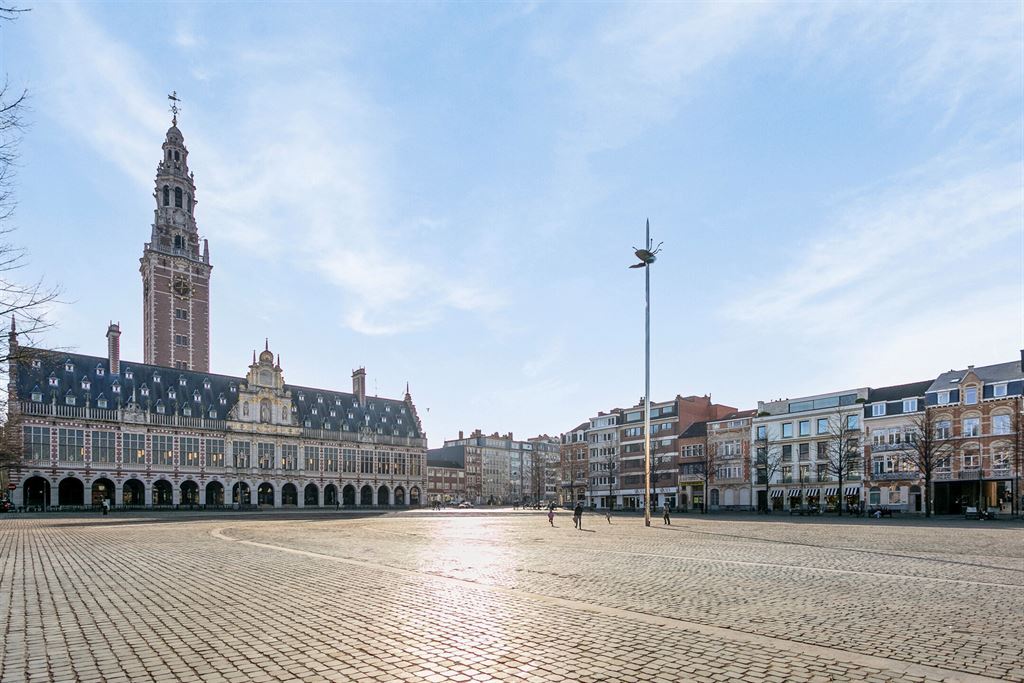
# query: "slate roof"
88 380
898 391
1001 372
695 430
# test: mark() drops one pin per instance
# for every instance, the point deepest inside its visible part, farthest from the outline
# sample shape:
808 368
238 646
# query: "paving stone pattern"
482 597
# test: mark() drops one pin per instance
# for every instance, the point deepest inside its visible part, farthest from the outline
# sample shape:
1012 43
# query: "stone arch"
366 495
399 496
102 489
189 492
215 493
289 494
414 496
36 492
330 495
348 495
162 492
311 495
383 496
71 491
133 492
265 494
246 493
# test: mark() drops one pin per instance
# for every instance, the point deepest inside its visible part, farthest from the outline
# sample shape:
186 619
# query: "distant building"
891 420
574 468
692 458
728 441
168 432
801 434
453 474
980 409
603 460
512 470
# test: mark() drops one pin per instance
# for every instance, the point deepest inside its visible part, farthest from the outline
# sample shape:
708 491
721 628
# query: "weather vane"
173 97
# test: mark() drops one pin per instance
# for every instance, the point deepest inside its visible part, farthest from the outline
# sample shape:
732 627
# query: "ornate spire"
175 108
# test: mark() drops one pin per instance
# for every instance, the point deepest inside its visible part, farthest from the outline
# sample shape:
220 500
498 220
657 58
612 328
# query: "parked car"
465 504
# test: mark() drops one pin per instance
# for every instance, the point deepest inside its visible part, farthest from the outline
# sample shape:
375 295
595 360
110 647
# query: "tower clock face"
181 287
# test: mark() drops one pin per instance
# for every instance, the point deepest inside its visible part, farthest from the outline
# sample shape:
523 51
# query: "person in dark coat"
577 516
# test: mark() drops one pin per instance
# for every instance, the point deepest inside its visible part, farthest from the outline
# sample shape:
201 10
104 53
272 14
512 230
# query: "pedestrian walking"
608 514
577 516
665 519
551 515
106 506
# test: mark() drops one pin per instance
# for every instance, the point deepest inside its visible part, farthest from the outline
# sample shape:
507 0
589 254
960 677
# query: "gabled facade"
574 454
728 440
980 409
891 421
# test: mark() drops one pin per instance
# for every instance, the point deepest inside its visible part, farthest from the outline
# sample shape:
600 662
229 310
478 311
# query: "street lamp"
647 256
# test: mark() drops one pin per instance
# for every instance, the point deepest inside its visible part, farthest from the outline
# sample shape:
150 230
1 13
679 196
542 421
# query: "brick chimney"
114 348
359 384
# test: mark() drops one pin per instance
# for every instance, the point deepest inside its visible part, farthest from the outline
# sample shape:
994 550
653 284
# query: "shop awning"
853 490
794 493
831 491
777 493
812 493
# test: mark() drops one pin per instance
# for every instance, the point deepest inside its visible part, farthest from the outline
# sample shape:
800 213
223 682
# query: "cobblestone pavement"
479 597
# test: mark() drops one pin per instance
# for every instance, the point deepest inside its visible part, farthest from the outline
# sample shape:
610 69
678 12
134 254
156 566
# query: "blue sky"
449 194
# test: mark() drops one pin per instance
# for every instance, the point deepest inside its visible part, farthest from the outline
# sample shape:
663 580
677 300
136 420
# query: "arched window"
167 196
188 202
179 242
177 197
176 156
168 155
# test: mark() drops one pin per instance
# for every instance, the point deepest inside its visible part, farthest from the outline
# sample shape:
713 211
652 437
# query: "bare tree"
767 463
844 448
25 304
928 447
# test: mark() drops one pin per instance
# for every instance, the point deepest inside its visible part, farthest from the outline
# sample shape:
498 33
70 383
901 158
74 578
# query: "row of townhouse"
946 444
503 470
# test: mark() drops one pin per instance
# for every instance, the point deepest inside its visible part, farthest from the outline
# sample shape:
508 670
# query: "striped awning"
812 493
777 493
831 491
794 493
853 490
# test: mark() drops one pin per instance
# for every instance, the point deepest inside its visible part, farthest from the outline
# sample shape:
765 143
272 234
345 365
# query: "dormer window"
53 380
86 384
384 420
355 403
308 424
36 363
182 381
878 410
128 374
196 396
970 395
942 398
399 420
319 399
337 401
327 425
351 415
116 387
69 398
156 378
160 407
186 411
172 394
37 396
999 390
144 391
403 410
69 366
100 371
223 401
334 414
101 402
206 384
387 409
213 413
302 396
233 388
314 411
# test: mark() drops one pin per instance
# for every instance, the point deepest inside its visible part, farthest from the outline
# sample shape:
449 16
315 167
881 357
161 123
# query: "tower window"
167 195
188 200
177 197
179 243
168 155
177 157
180 314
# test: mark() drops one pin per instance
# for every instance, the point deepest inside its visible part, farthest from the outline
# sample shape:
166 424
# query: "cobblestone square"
485 596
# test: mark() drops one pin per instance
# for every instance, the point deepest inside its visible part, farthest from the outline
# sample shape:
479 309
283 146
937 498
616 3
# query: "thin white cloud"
301 176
